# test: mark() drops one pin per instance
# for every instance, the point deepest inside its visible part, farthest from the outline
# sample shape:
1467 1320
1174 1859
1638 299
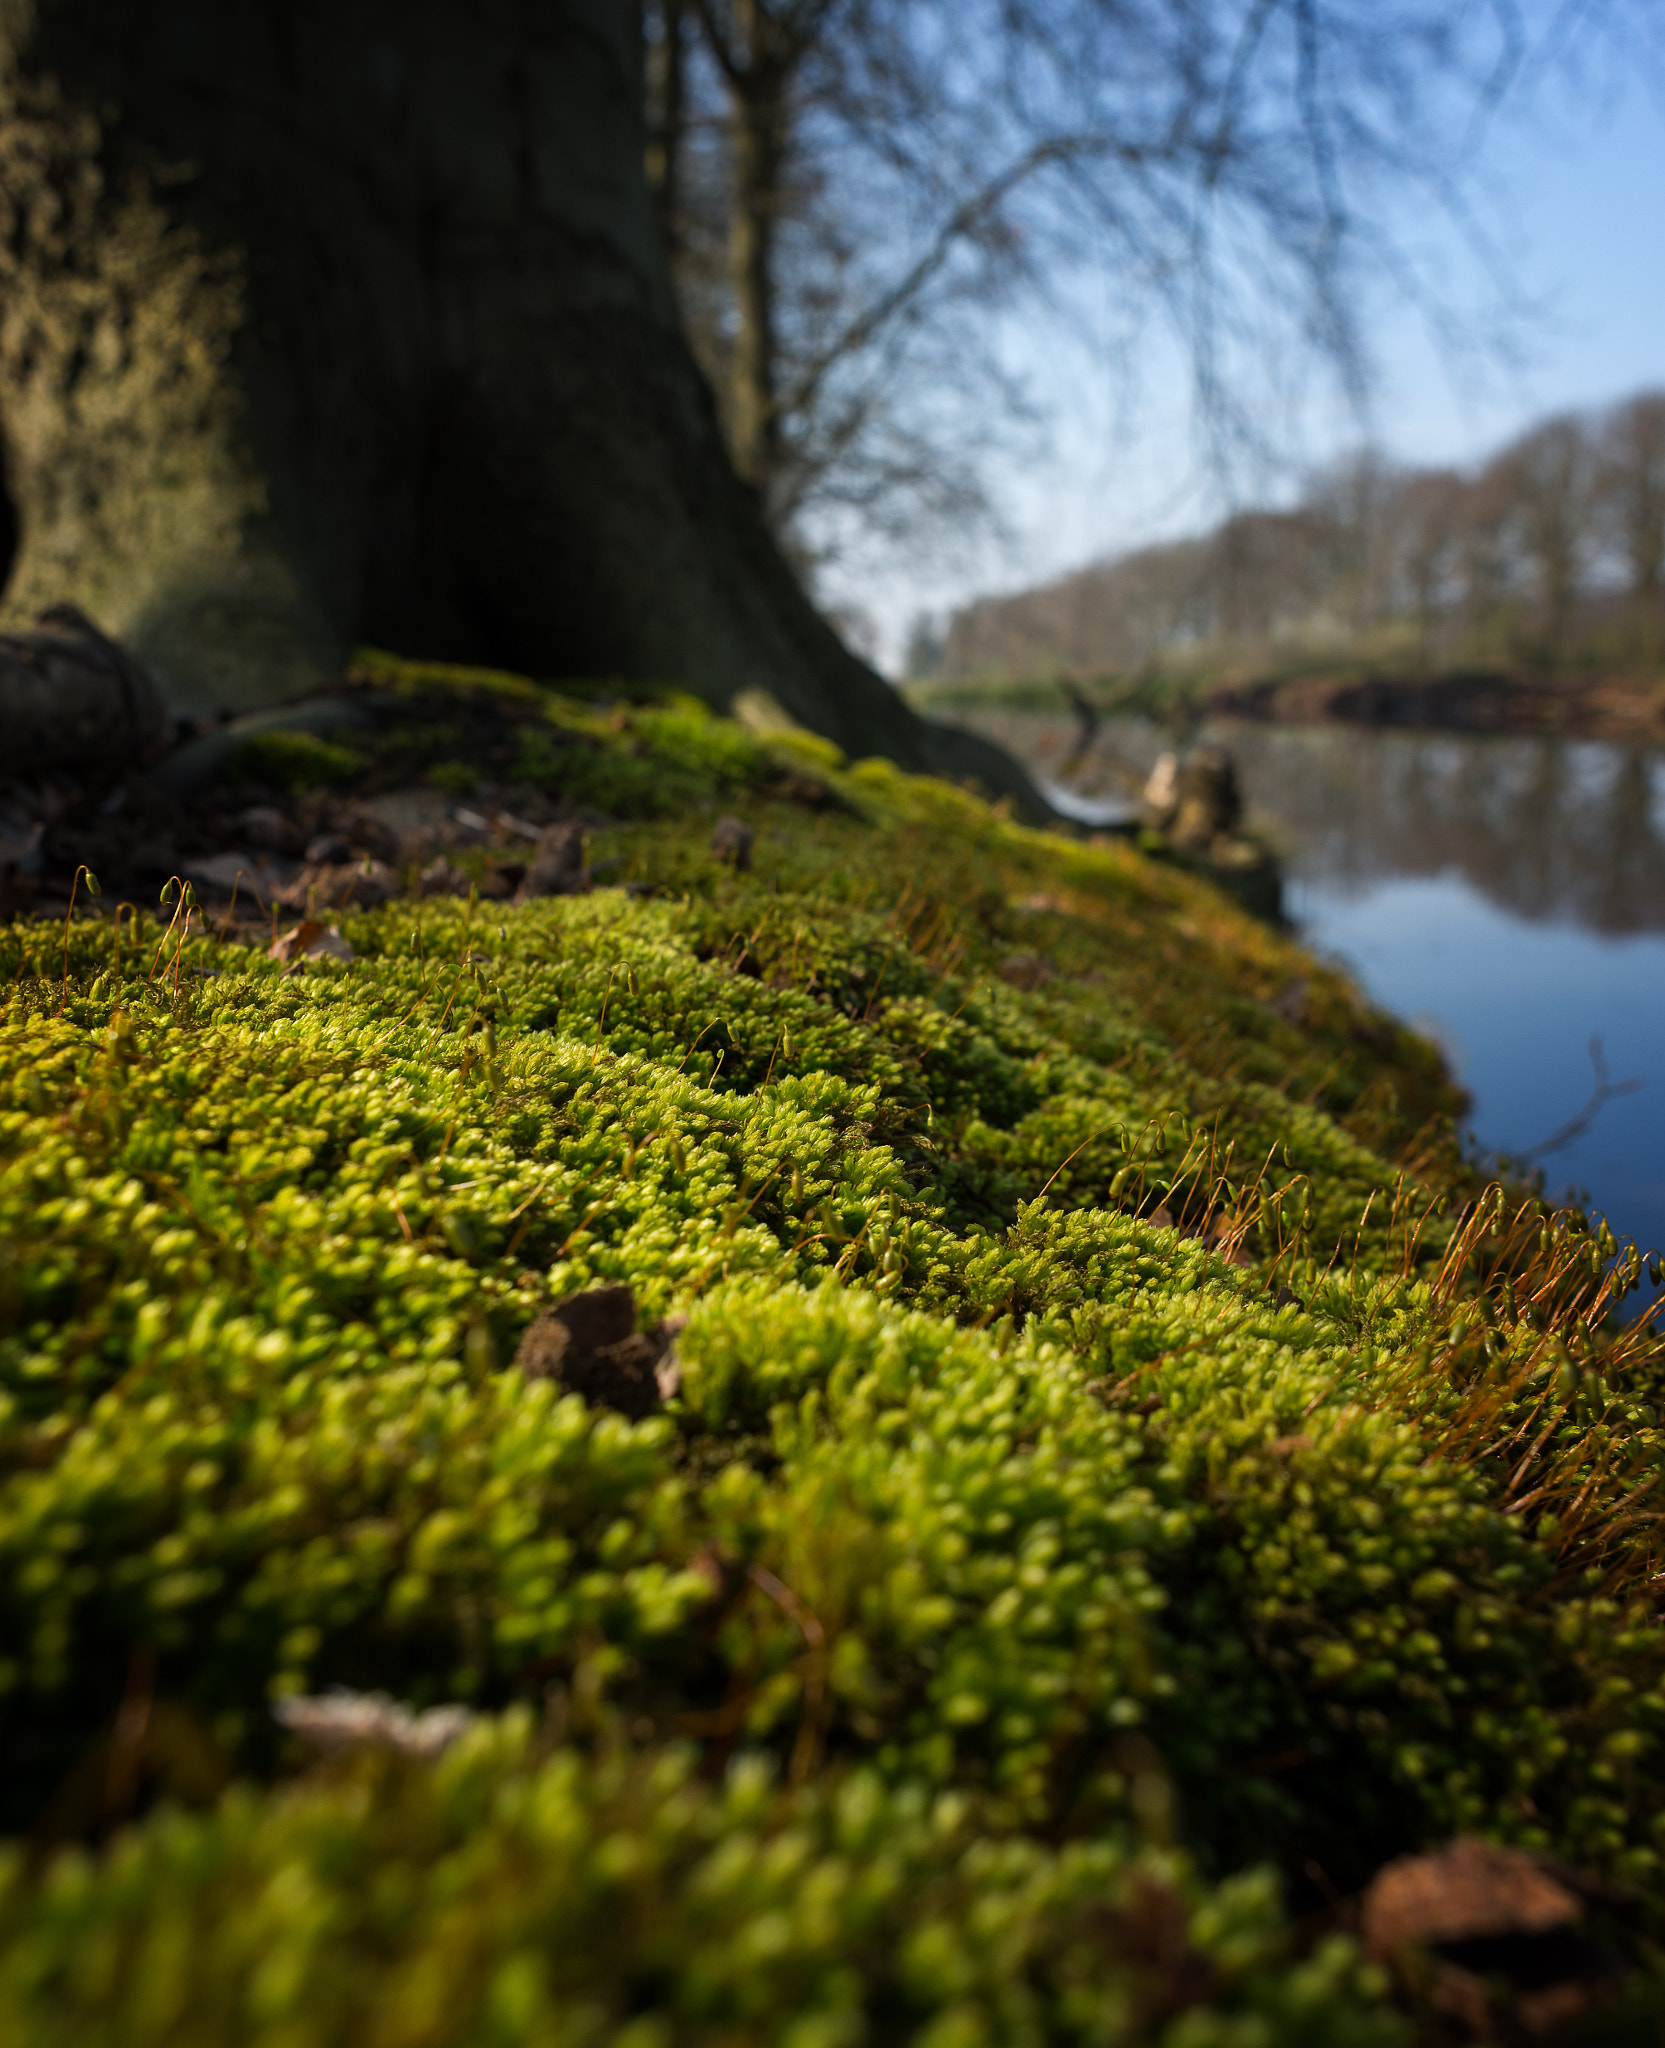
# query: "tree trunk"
667 122
325 321
756 149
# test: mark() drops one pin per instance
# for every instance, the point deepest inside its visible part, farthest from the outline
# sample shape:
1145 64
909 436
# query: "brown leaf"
293 943
1464 1892
309 940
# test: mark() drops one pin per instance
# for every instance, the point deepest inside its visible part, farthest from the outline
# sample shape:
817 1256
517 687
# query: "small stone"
345 1720
361 884
589 1343
557 866
440 878
264 825
731 841
1028 971
227 872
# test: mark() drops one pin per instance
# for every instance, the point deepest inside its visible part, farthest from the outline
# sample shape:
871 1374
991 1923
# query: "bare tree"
1631 488
899 172
1516 561
1428 518
1542 485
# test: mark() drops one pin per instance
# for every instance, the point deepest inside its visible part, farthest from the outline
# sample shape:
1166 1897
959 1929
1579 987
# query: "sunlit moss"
997 1505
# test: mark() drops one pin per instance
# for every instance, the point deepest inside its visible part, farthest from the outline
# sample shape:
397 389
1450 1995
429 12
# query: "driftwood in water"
74 703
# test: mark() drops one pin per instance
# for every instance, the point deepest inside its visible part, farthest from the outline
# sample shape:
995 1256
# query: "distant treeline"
1550 555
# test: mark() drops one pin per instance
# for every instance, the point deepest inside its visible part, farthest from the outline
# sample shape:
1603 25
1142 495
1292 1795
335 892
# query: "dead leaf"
309 940
1494 1939
1464 1892
292 944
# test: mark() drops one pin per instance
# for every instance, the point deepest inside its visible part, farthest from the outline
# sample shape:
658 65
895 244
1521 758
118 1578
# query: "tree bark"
325 321
667 121
756 151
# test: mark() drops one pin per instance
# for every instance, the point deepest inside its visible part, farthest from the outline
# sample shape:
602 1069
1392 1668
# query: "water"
1506 895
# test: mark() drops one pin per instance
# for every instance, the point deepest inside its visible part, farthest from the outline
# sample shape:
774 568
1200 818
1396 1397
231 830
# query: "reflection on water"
1506 894
1546 828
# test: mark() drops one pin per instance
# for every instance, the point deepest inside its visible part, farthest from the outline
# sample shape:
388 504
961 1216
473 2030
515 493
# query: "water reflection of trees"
1546 828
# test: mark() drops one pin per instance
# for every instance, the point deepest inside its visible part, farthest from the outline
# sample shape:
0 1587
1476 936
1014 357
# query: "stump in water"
1194 799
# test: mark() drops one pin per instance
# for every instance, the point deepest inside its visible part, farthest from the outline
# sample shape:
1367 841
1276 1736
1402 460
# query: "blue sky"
1576 196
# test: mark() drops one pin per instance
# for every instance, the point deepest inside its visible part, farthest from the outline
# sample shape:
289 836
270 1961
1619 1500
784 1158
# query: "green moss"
993 1508
295 760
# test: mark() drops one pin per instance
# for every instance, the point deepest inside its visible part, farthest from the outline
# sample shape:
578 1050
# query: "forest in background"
1549 557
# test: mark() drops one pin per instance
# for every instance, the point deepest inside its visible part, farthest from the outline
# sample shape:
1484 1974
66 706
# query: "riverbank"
1594 705
924 1425
1577 706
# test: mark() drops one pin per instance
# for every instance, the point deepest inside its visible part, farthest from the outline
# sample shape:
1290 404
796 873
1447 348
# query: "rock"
21 839
440 878
241 874
363 884
343 1720
590 1343
365 833
1028 971
731 841
494 885
264 825
73 701
558 867
328 849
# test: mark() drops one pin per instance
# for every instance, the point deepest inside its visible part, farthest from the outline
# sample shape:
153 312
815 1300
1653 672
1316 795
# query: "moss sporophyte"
1120 1460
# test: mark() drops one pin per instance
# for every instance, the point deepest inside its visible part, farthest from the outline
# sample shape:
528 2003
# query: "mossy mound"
1124 1469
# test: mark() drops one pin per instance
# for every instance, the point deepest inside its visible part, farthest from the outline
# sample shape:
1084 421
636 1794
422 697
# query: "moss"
998 1507
294 761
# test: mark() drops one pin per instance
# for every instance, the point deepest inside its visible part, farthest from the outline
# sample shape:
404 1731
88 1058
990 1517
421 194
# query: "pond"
1504 894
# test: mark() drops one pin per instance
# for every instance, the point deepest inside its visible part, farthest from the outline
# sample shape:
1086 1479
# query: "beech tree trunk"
330 321
756 145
